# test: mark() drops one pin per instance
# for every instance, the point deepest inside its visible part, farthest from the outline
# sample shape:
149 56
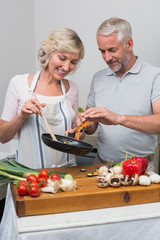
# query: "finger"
36 103
71 130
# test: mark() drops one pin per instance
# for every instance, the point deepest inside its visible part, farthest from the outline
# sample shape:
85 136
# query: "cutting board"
88 196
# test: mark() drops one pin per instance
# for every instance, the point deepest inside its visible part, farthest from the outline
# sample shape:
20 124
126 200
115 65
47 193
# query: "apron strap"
34 82
63 87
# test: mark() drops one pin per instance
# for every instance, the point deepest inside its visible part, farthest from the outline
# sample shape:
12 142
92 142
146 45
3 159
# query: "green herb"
80 110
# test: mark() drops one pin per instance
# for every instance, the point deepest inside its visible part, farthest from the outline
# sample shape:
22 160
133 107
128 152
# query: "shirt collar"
134 69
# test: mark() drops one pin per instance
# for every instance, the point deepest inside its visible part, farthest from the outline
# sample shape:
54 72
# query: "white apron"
31 149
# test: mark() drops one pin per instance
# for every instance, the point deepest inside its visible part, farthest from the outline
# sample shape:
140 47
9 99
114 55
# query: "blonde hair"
115 25
60 40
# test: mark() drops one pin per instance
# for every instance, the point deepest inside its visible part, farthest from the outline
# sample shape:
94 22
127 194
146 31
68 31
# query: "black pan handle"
94 150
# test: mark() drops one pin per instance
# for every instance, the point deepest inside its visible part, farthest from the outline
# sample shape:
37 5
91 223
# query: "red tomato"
44 173
23 189
34 191
42 182
23 182
33 183
55 177
32 178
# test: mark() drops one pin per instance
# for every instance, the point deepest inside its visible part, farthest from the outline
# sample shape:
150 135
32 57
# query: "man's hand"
102 115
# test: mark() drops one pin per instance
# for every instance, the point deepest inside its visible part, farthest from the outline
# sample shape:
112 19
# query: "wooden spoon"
46 122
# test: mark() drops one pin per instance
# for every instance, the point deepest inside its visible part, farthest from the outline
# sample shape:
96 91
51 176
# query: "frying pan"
67 144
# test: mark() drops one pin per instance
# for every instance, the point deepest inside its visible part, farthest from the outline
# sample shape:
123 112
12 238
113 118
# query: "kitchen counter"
127 222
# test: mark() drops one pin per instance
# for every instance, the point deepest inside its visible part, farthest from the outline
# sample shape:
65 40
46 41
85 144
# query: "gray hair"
60 40
115 25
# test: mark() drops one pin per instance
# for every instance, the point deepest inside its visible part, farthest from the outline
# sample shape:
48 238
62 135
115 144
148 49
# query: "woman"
59 55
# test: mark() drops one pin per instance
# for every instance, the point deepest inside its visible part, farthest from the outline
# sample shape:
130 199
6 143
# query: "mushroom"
155 178
115 181
103 171
110 170
108 176
103 184
144 180
134 179
117 170
126 181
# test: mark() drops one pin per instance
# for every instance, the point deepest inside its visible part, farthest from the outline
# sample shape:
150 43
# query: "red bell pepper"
130 167
144 162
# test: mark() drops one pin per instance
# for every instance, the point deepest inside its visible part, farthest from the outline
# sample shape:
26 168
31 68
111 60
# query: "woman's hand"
75 130
31 106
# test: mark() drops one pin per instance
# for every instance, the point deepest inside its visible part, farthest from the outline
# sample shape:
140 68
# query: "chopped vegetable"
95 172
81 128
83 170
89 175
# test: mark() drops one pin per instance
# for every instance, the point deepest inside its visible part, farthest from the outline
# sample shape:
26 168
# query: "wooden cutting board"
88 196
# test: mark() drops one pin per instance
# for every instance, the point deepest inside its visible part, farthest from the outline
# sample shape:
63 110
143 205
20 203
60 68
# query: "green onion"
18 171
19 165
11 176
14 168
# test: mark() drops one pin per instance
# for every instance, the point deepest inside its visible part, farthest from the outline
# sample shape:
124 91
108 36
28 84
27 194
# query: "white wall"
17 41
85 16
24 24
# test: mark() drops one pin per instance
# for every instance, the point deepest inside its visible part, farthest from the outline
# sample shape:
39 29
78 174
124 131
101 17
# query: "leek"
14 177
15 168
36 172
21 172
19 165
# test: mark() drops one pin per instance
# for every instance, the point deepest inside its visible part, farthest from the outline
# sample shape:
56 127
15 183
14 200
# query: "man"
124 99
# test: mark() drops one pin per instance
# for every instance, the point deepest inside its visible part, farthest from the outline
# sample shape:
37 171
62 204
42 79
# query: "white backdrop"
17 41
24 24
85 16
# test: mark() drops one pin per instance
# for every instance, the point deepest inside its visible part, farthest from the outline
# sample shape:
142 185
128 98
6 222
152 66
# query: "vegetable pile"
129 172
32 182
